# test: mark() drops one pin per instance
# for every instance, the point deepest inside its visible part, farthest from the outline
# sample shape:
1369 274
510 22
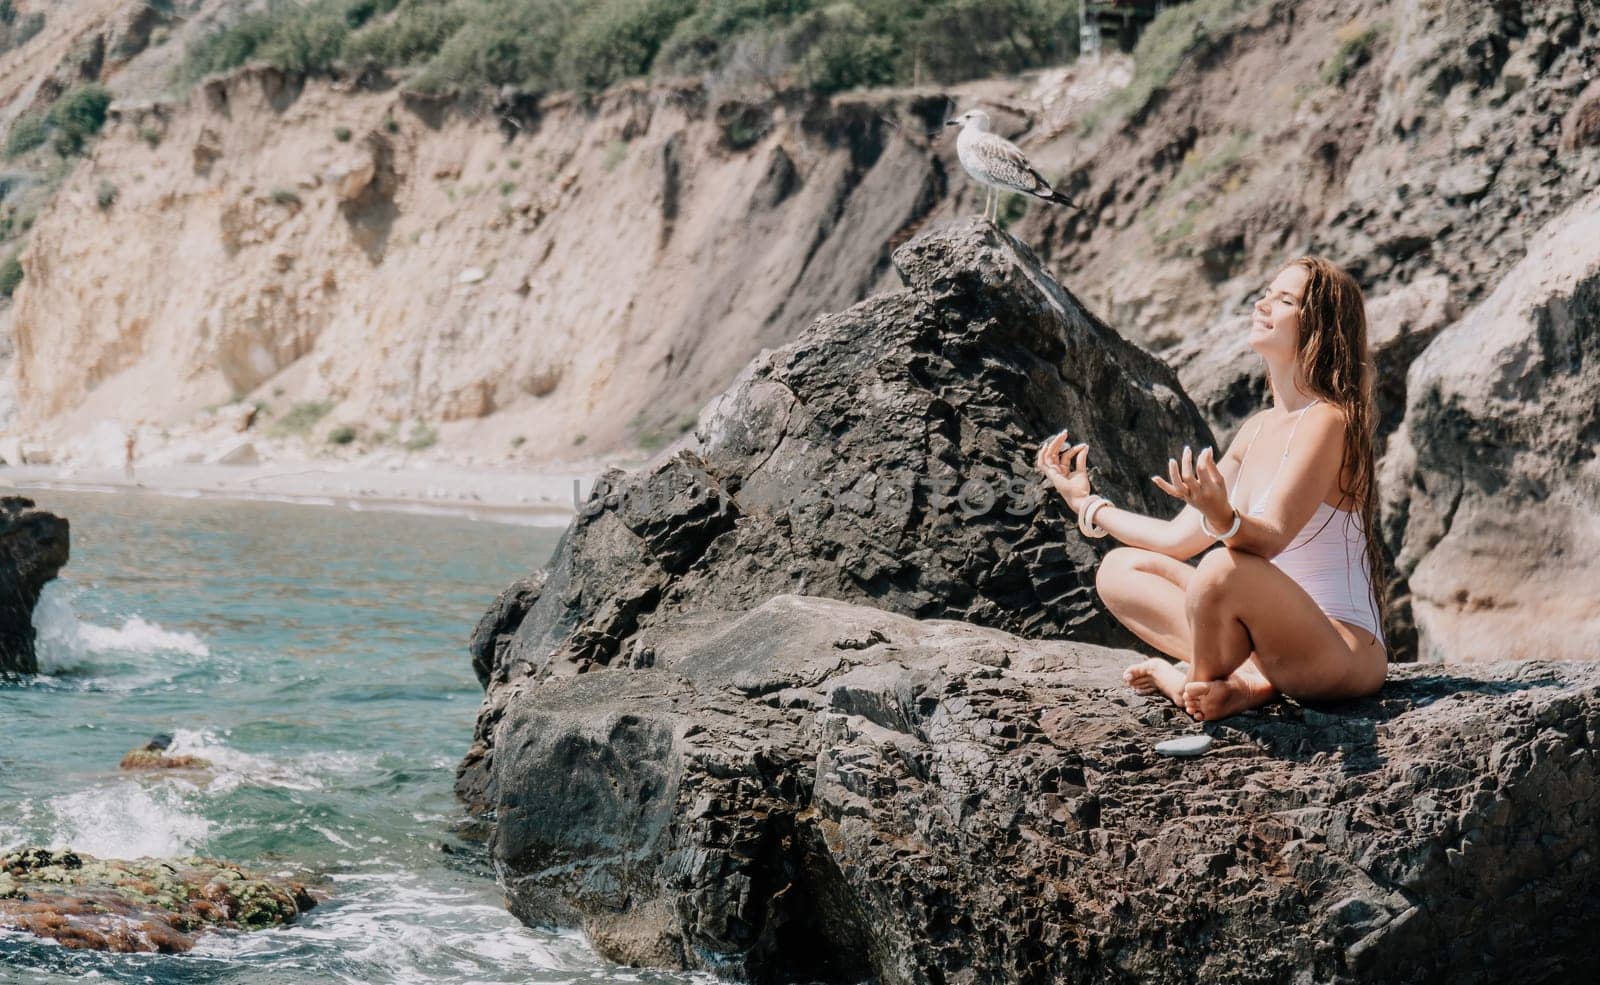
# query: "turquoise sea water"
317 657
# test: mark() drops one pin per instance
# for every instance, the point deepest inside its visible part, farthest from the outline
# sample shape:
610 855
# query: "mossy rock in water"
146 759
145 904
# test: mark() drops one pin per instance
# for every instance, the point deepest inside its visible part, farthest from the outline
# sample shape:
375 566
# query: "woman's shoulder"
1327 415
1321 432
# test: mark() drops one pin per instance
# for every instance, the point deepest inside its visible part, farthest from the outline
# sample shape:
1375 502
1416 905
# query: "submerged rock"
773 800
139 905
33 547
153 756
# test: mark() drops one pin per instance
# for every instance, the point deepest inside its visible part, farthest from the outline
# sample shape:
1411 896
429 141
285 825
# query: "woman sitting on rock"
1288 601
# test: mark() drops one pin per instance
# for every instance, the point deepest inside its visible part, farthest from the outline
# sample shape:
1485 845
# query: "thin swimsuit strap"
1286 445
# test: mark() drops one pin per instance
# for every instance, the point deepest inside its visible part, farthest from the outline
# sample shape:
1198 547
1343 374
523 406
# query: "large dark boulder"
821 790
33 547
883 456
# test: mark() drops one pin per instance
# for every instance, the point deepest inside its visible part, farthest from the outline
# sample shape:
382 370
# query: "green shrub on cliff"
10 275
1355 50
300 418
16 29
78 115
416 30
616 40
27 132
1176 34
540 45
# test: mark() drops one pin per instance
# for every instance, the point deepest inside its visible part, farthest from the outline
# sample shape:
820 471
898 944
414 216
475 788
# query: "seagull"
998 164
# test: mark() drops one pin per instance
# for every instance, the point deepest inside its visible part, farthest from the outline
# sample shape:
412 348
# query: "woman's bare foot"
1155 675
1208 701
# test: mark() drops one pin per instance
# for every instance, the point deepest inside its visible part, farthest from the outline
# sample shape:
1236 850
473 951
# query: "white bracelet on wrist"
1086 517
1206 528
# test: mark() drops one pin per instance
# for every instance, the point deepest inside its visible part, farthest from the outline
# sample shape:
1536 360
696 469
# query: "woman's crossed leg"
1245 628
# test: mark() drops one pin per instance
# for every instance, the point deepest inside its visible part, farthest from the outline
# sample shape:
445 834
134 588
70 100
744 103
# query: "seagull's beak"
952 123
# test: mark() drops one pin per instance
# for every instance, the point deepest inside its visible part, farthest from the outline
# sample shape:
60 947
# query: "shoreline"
540 499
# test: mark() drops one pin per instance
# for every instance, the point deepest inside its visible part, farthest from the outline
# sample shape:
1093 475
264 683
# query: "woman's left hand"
1196 481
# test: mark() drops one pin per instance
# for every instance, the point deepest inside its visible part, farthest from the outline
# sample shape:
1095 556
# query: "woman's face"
1275 322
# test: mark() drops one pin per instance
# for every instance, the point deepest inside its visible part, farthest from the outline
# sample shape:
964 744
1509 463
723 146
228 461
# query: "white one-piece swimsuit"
1328 557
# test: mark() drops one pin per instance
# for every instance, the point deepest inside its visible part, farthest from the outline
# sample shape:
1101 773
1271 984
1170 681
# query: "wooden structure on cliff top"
1122 21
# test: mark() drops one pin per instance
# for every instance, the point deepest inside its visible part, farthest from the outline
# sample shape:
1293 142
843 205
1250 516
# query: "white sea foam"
395 928
65 641
232 768
129 820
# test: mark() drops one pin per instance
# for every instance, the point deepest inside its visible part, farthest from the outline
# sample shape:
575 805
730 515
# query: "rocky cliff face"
34 544
596 271
584 281
1493 486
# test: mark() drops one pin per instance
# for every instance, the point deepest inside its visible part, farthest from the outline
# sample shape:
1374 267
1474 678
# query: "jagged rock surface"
886 456
1492 490
823 790
33 547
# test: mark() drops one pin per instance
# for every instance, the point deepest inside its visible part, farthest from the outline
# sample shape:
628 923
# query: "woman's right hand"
1066 469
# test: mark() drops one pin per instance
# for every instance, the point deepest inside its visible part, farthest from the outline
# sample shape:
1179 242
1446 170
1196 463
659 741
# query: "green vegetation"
344 434
26 133
1013 208
150 135
302 417
507 187
73 118
616 153
287 197
1355 50
341 134
10 275
422 437
1196 169
1200 181
537 46
1182 227
16 29
106 195
77 116
1172 38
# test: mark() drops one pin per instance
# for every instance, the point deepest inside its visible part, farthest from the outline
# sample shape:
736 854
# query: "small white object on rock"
1188 745
471 275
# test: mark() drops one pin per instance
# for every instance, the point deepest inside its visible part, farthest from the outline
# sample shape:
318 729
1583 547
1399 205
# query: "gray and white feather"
997 164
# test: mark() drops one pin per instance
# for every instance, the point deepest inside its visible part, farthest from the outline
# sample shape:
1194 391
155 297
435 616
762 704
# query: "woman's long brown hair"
1336 366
